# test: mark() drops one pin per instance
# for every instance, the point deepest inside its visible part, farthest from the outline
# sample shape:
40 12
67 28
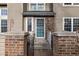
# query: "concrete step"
42 46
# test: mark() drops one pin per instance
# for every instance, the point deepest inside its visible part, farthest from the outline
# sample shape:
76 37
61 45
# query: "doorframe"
36 26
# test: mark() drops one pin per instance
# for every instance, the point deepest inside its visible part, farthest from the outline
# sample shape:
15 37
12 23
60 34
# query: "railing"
30 45
49 38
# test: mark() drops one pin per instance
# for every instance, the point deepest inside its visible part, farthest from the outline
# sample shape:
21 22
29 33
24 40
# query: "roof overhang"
3 4
38 14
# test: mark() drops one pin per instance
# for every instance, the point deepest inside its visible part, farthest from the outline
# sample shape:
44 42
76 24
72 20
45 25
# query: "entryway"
37 43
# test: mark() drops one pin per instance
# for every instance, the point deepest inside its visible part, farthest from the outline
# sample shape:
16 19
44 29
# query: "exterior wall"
49 22
15 17
63 11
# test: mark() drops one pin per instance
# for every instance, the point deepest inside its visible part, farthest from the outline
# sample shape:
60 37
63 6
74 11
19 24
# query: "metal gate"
30 45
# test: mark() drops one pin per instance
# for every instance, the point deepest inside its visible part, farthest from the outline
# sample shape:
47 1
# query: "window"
33 7
29 24
71 4
75 23
3 25
3 11
67 24
67 3
40 6
37 7
40 27
71 24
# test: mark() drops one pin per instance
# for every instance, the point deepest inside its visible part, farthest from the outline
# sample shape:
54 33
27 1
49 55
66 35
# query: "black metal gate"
30 45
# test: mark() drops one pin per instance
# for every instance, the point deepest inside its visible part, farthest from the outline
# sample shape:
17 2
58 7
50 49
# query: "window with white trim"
3 11
29 24
67 24
71 24
3 25
71 4
37 7
3 19
75 23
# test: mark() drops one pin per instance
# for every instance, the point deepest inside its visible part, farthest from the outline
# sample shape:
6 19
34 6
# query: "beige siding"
2 53
2 45
15 11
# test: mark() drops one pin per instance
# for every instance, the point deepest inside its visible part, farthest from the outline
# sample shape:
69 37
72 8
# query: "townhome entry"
36 26
36 19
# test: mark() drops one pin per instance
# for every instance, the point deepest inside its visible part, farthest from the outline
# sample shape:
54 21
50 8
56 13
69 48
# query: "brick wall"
65 46
14 45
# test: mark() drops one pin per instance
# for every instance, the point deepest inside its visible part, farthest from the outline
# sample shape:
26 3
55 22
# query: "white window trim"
36 27
71 23
26 26
72 4
0 25
36 8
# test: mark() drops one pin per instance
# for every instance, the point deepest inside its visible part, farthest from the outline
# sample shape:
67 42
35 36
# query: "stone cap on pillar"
15 35
65 33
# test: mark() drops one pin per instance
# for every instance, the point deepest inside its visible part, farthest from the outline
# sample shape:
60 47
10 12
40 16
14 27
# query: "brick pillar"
65 46
14 45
